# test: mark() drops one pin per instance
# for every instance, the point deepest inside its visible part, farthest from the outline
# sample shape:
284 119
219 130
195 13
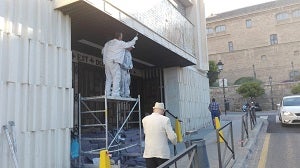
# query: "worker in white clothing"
158 130
113 55
125 74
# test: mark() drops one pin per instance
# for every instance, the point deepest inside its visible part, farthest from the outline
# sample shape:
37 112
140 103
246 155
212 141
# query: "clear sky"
219 6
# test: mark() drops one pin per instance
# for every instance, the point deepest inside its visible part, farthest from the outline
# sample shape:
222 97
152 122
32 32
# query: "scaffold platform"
103 123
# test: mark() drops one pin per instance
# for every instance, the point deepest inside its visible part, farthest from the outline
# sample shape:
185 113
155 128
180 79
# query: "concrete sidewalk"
208 148
209 135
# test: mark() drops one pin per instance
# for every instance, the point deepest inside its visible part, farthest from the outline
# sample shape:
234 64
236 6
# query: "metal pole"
254 73
140 122
161 84
272 97
251 117
272 101
293 71
224 95
219 148
119 104
242 131
106 121
76 99
232 143
79 129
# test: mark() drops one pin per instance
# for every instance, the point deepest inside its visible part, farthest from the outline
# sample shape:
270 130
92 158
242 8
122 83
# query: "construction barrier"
223 156
178 131
218 126
104 159
203 161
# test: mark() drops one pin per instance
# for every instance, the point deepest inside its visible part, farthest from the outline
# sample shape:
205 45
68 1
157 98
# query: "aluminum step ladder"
11 140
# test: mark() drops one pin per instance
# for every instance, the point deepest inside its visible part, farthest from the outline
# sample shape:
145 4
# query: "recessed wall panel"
192 108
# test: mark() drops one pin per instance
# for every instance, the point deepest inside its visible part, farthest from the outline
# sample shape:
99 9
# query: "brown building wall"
253 53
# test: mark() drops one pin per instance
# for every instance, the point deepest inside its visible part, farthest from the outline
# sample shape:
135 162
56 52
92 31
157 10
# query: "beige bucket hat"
159 105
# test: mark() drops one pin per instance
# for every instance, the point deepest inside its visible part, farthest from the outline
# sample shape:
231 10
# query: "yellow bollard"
104 159
178 130
218 126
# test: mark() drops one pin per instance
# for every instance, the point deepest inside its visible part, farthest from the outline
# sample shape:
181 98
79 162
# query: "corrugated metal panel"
36 83
12 100
47 64
192 91
36 20
14 58
47 149
35 107
50 108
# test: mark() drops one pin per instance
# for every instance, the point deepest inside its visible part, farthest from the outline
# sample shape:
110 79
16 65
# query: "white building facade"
37 39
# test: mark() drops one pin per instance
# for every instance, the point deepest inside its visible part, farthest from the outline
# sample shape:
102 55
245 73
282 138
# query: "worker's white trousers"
125 83
113 76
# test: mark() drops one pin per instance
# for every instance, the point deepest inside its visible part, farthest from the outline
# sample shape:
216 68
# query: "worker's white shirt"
158 130
114 50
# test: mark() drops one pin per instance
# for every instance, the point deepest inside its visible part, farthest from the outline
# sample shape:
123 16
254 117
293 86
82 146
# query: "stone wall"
236 101
252 54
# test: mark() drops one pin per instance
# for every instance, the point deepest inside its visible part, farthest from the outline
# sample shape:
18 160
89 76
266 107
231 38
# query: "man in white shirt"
158 130
113 55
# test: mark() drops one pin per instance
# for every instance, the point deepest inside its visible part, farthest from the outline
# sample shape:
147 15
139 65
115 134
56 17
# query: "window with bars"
230 46
282 16
273 39
220 28
296 13
248 23
209 31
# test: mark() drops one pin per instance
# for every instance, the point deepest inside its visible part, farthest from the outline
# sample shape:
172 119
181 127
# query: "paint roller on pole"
177 127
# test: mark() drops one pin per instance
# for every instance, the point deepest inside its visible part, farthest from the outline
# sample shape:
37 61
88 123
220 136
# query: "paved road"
277 146
275 126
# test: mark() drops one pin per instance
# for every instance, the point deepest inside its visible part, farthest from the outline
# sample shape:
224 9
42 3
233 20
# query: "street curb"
248 149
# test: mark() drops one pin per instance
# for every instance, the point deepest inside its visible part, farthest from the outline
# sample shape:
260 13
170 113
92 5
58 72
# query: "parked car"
289 110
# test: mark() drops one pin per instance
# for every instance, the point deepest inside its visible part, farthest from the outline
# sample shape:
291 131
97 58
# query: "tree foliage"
251 89
296 89
212 74
245 80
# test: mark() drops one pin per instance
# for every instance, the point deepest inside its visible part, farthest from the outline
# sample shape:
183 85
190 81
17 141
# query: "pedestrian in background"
126 66
157 130
215 110
113 55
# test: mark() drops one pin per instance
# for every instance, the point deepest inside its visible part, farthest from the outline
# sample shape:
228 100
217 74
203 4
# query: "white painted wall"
196 14
36 83
187 96
187 89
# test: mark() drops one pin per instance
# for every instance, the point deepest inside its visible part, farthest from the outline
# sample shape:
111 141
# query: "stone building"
257 41
50 53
